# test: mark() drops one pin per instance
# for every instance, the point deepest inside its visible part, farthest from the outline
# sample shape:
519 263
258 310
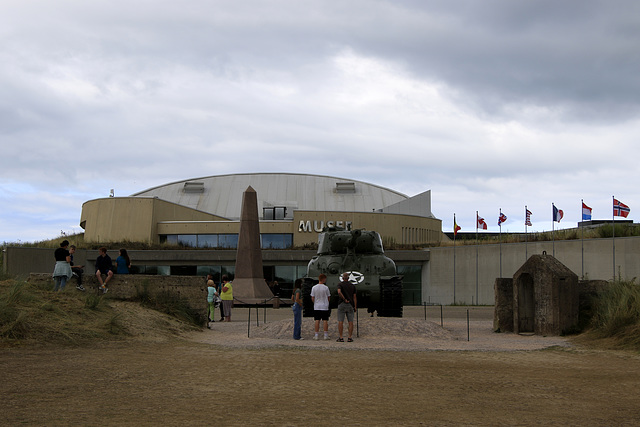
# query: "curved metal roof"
222 194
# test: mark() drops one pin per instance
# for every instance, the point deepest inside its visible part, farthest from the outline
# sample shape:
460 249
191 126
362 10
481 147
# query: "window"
188 240
411 284
276 241
228 241
274 213
207 240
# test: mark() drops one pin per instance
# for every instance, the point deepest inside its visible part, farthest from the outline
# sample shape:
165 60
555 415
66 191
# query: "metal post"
424 304
467 324
249 324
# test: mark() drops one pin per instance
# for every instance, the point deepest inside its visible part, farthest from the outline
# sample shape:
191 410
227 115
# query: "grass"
33 314
170 303
616 316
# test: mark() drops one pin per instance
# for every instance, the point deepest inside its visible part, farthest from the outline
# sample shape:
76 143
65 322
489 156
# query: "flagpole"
476 257
582 229
500 239
526 239
553 220
454 257
613 226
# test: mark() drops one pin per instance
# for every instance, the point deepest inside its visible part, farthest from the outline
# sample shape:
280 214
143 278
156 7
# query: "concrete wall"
437 263
438 282
191 288
118 219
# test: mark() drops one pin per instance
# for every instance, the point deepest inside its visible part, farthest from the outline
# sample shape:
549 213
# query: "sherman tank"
359 253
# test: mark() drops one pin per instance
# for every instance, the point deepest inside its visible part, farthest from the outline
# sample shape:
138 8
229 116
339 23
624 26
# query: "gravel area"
410 333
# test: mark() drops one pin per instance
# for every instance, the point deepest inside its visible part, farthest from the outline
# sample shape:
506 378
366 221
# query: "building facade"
292 208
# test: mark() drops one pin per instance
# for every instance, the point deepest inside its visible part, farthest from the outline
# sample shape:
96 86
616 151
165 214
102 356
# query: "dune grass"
616 315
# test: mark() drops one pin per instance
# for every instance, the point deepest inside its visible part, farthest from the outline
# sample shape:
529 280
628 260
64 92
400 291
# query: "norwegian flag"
502 218
620 209
527 220
480 223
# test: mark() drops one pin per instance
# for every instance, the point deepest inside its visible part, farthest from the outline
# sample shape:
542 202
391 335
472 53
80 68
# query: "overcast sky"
488 104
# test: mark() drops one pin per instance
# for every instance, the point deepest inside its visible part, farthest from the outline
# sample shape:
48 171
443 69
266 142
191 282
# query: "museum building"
292 208
204 213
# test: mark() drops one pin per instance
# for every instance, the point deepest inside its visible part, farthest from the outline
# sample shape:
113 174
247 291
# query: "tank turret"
359 253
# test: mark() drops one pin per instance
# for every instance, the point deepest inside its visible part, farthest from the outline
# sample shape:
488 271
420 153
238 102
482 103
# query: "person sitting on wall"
123 263
76 269
104 266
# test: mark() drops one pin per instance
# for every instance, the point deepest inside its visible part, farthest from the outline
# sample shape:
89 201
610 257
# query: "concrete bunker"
542 298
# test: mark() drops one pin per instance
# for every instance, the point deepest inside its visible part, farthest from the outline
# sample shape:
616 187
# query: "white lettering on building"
305 226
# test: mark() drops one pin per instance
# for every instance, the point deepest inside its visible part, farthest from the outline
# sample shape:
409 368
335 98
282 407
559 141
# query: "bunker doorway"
526 304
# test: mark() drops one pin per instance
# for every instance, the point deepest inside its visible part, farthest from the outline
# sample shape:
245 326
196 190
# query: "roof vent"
193 187
345 187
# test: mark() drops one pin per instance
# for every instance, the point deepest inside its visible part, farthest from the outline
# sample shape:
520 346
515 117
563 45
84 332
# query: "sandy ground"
398 372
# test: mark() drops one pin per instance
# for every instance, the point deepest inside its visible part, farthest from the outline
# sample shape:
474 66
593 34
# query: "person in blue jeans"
296 298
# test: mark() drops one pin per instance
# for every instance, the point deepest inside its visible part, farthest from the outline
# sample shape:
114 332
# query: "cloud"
489 105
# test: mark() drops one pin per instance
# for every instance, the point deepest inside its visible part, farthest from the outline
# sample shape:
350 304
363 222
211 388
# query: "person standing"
104 266
320 296
227 297
123 263
347 306
62 270
211 299
296 299
76 269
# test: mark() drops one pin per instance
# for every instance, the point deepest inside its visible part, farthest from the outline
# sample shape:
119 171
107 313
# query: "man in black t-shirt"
104 266
347 306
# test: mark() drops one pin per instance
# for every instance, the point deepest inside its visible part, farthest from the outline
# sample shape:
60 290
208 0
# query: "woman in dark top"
296 298
123 263
62 270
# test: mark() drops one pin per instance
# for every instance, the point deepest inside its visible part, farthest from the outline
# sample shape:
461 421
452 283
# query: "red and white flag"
480 223
620 209
527 220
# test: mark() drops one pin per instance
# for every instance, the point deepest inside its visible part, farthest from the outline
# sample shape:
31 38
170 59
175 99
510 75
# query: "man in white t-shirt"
320 296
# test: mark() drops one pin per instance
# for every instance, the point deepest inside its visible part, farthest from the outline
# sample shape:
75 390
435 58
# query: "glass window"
277 213
267 213
228 241
184 270
171 239
162 270
276 241
203 270
280 213
188 240
229 270
411 284
207 240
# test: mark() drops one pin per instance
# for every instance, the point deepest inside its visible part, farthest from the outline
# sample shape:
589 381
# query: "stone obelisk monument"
248 284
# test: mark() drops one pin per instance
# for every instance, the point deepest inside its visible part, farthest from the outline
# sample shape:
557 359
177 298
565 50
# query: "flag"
620 209
481 224
586 212
527 220
456 227
557 213
502 218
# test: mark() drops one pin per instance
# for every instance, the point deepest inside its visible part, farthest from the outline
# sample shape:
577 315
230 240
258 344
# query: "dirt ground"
397 372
